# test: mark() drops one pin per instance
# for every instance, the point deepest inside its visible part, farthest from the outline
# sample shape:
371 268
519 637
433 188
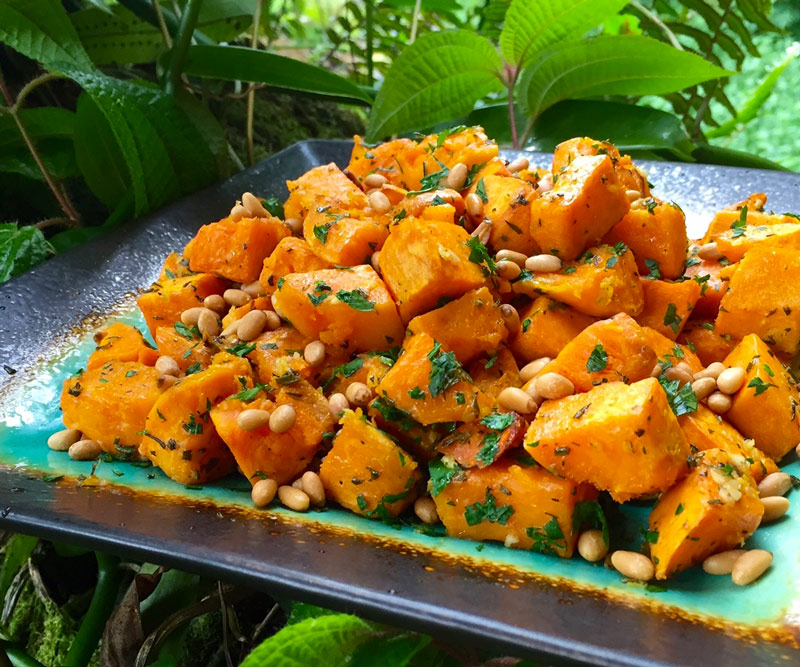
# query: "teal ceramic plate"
519 602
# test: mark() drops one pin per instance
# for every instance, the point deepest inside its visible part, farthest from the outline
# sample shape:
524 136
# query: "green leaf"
235 63
710 154
325 640
80 235
51 130
395 651
609 65
42 31
598 359
497 421
533 25
15 554
117 36
302 611
356 299
21 248
438 77
441 475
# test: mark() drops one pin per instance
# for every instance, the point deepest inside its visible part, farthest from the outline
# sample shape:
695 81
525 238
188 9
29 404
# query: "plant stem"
251 92
100 608
369 21
33 84
17 656
654 18
412 36
162 24
181 49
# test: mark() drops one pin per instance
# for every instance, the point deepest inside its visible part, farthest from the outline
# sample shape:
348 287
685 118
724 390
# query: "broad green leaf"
174 591
533 25
395 651
42 31
709 154
236 63
40 123
438 77
326 640
57 155
609 65
120 38
302 611
50 129
758 12
492 15
70 238
224 20
21 248
144 10
15 552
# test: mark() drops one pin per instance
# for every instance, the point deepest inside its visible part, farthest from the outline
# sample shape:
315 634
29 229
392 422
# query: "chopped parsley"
740 225
682 400
672 319
416 393
759 385
242 349
679 509
190 333
480 190
441 475
478 254
497 421
589 513
598 359
356 299
445 370
654 268
546 540
321 232
194 368
492 361
247 395
193 427
526 323
651 536
488 451
620 248
488 510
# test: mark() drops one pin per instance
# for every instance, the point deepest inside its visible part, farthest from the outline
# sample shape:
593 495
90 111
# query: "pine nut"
273 321
554 386
295 225
533 393
379 202
457 176
374 260
61 441
253 206
518 165
633 565
474 205
674 373
750 566
216 303
508 270
545 183
704 387
314 353
374 180
425 509
712 371
483 231
231 329
709 251
251 325
84 450
253 289
686 368
774 508
338 403
633 195
516 400
358 393
775 484
591 545
298 483
164 382
252 419
190 316
512 256
543 263
208 323
731 380
532 369
263 492
658 369
797 451
510 318
236 297
167 366
312 487
723 562
719 402
294 499
282 419
98 336
237 213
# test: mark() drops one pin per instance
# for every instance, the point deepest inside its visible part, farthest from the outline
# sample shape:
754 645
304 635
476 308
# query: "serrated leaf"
117 36
609 65
438 77
395 651
51 130
533 25
21 248
758 12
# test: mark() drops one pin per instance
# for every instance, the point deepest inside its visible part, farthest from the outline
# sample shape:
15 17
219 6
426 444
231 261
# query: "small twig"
181 50
654 18
369 28
33 84
162 24
412 36
262 626
53 222
251 93
224 614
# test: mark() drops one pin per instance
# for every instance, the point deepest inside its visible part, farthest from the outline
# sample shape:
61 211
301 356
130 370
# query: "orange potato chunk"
187 349
586 201
568 150
423 262
109 404
601 283
493 373
369 369
508 207
725 220
291 255
321 186
122 342
417 205
278 352
703 339
547 327
366 159
343 237
667 349
631 425
766 407
734 243
477 445
712 287
468 326
164 302
175 266
366 472
715 508
667 306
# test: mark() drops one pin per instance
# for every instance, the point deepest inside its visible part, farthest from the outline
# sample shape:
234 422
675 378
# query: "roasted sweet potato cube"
668 350
568 150
322 186
423 262
601 283
175 266
164 302
343 237
277 352
122 342
656 233
613 350
420 440
416 205
533 175
705 430
468 326
715 508
667 306
367 368
366 159
366 472
712 286
508 207
109 404
766 408
179 436
709 345
632 426
291 255
586 201
547 326
494 167
731 218
348 308
480 444
263 454
235 250
494 372
764 298
185 346
521 505
734 243
430 384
